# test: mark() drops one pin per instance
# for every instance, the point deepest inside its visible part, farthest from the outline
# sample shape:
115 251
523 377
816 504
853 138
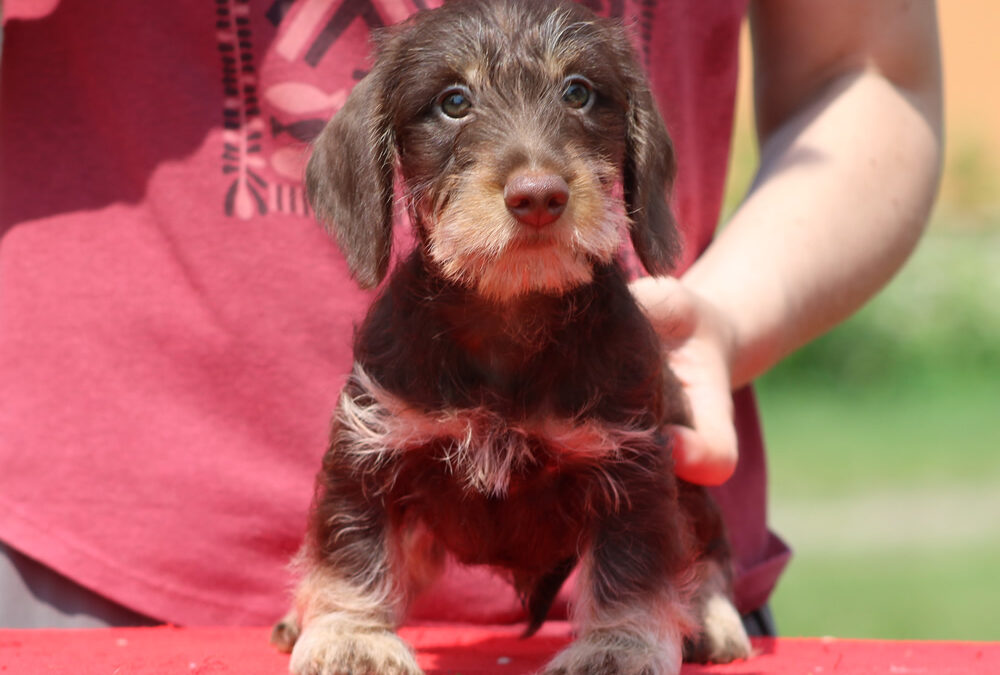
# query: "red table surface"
448 650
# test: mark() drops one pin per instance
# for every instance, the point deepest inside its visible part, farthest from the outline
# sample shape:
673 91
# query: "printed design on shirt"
269 122
243 128
647 14
297 110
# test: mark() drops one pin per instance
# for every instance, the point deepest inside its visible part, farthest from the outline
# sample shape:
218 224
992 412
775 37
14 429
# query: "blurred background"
884 436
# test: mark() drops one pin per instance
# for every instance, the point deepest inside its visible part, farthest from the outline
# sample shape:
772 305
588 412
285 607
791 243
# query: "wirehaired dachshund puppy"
508 395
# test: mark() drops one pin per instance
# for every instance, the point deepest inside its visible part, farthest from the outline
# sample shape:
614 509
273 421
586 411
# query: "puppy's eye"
455 102
577 92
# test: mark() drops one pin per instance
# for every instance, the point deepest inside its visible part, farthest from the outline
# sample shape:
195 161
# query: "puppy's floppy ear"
349 179
648 173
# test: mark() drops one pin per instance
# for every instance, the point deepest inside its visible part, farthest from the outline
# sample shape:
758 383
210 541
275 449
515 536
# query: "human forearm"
842 194
848 100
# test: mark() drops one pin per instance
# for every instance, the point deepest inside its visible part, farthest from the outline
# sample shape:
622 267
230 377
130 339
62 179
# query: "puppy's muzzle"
536 199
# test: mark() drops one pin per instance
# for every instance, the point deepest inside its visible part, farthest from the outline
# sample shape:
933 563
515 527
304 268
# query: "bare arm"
848 97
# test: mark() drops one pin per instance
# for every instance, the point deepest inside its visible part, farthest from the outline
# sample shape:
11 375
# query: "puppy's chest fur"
476 427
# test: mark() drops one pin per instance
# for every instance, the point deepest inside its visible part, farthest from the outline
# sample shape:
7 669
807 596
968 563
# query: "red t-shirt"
175 327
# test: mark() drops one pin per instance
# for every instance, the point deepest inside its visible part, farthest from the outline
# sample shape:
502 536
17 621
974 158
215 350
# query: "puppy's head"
527 140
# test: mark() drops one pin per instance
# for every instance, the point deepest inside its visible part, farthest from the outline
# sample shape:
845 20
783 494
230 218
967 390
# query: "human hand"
699 341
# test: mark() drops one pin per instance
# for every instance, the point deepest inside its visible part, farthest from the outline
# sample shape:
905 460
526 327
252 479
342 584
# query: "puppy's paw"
338 648
722 637
616 653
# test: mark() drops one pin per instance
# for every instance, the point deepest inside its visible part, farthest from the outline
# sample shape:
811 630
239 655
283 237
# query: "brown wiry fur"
508 394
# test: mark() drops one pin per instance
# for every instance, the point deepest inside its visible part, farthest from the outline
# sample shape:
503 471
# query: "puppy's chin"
488 251
536 268
525 264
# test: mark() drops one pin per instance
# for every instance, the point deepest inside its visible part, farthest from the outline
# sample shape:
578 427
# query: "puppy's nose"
536 199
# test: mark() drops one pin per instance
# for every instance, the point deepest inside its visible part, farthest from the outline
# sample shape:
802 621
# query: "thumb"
706 454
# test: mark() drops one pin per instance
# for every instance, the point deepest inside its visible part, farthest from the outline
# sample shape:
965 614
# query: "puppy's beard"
474 239
550 269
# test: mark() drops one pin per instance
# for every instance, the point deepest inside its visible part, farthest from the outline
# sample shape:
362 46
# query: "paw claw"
285 633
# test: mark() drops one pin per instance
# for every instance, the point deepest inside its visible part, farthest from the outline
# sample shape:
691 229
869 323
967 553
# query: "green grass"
906 391
890 497
948 593
884 448
825 442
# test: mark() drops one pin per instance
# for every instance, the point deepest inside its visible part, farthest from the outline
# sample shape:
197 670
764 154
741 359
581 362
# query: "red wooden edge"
449 649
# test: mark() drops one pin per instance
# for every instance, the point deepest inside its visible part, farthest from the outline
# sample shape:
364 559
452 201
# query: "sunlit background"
884 436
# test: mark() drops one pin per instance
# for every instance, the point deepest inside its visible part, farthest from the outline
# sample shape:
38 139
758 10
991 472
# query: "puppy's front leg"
342 633
631 613
352 595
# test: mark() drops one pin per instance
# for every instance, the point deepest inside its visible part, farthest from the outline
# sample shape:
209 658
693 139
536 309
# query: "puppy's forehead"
485 43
